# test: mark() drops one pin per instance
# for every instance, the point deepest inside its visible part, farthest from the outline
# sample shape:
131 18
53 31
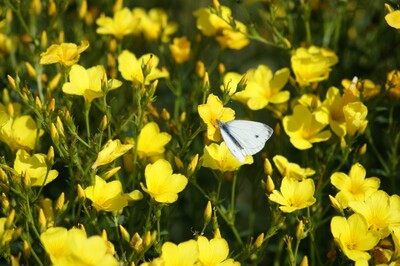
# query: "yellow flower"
263 87
393 83
312 64
123 23
35 167
73 247
131 68
161 184
154 24
354 186
218 157
180 50
212 111
183 254
151 142
216 23
106 196
294 195
380 211
214 252
355 115
87 82
67 54
353 237
393 19
291 170
304 128
20 133
111 151
333 104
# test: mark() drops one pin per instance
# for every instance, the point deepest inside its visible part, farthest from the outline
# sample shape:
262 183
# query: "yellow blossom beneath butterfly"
106 196
218 157
312 64
305 128
212 111
67 54
264 87
294 195
354 186
131 68
88 82
35 167
73 247
111 151
291 170
161 183
19 132
123 23
218 22
353 237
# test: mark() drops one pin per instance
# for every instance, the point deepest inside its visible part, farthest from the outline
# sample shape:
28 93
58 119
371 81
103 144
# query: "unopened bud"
165 114
363 149
147 239
60 202
269 184
103 123
221 68
259 241
267 167
304 261
31 70
54 82
193 165
300 231
124 233
42 221
27 249
81 192
5 203
200 69
336 204
26 180
242 83
60 127
43 40
52 105
12 82
55 137
6 97
10 219
217 233
83 9
216 4
207 213
178 162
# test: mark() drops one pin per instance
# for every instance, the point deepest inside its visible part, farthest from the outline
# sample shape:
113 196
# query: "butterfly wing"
250 136
231 144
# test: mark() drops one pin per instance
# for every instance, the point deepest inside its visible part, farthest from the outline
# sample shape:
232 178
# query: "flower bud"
103 123
81 192
147 239
31 70
42 221
6 97
267 167
207 213
269 184
259 241
60 202
193 165
55 137
10 220
12 82
52 105
26 249
136 242
124 233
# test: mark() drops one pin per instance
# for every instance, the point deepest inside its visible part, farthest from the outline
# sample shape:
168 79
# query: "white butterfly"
244 137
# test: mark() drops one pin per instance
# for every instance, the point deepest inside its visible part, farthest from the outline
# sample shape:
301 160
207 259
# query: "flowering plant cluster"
110 145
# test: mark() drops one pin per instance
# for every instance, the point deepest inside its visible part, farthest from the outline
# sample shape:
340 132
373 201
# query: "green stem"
87 111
